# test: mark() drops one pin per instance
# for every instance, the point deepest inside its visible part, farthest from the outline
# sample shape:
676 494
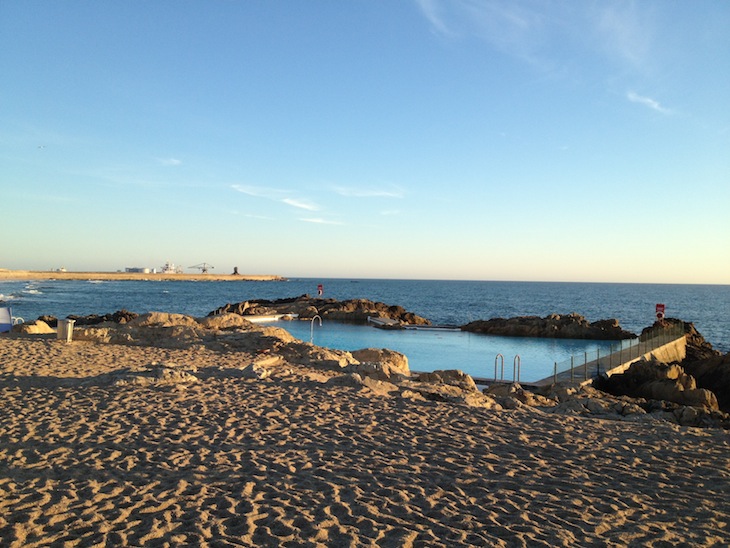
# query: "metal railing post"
572 358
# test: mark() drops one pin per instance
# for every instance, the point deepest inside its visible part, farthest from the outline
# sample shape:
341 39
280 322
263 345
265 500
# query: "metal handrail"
651 340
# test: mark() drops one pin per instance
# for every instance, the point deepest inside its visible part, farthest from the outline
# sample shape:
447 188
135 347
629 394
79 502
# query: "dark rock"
654 380
52 321
712 373
306 307
570 326
120 316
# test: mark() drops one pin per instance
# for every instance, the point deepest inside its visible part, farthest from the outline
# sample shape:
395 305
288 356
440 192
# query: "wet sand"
292 461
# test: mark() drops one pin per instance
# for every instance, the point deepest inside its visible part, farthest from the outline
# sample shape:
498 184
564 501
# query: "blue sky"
460 139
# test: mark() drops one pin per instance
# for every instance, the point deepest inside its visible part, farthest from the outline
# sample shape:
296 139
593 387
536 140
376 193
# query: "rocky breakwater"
701 380
565 326
305 307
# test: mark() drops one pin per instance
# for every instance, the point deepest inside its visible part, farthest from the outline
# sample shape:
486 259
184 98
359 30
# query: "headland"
133 276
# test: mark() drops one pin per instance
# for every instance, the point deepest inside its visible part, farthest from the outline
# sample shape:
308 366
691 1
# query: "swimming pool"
429 350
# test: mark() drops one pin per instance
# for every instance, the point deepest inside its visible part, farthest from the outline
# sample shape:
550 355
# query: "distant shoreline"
134 276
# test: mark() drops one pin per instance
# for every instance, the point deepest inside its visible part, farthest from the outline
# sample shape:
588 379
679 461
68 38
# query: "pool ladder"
311 328
516 364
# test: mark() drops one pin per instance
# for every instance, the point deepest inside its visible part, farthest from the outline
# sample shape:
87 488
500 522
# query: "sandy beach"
291 460
131 276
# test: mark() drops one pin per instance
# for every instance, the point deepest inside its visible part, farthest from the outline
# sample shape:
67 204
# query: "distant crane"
203 267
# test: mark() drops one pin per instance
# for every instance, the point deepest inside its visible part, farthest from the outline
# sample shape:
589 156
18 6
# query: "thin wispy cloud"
169 161
621 31
301 204
277 195
320 221
537 32
647 102
515 28
432 10
260 191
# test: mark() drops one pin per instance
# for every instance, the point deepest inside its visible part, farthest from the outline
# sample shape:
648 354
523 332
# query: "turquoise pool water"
428 350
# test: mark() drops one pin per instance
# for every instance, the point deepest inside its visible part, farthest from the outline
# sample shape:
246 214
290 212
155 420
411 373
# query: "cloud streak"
169 161
431 9
647 102
260 192
536 32
277 195
301 204
320 221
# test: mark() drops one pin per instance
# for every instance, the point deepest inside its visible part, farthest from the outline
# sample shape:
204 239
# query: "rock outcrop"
654 380
120 316
588 401
306 307
697 347
702 379
712 373
567 326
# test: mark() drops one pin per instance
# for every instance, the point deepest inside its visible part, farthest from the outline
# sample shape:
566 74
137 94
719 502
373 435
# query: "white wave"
32 292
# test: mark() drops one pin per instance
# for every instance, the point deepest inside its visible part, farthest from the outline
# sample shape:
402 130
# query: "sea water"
442 302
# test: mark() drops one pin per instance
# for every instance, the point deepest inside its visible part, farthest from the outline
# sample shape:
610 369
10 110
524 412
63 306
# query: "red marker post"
660 311
320 290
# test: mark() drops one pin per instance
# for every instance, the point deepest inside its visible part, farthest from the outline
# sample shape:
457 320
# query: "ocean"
442 302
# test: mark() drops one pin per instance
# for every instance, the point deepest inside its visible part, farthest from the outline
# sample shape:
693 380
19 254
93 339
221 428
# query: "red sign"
660 311
320 289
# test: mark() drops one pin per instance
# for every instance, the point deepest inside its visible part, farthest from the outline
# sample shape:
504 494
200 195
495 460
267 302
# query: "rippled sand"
290 461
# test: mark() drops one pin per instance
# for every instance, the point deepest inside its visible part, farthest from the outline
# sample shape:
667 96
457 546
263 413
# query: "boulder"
653 380
712 373
453 377
374 370
317 357
224 321
397 362
163 319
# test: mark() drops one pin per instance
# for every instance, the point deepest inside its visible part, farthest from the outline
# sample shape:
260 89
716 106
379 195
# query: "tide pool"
429 350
